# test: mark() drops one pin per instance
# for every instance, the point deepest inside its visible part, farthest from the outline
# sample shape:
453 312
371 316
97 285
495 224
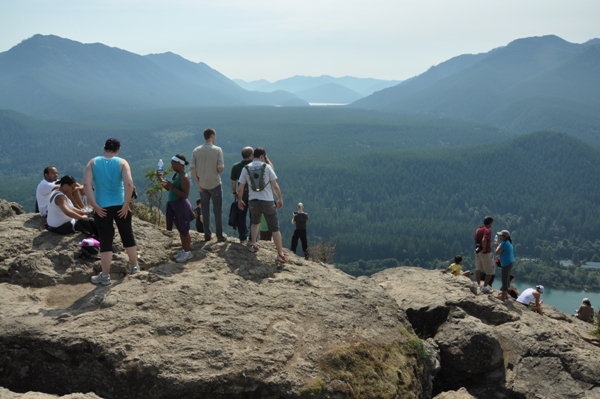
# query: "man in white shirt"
48 185
260 199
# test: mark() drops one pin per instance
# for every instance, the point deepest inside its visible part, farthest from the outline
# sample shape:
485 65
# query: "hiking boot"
135 269
254 248
185 256
281 258
207 238
101 279
222 239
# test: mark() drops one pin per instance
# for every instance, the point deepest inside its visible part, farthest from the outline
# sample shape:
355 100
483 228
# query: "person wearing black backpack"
261 180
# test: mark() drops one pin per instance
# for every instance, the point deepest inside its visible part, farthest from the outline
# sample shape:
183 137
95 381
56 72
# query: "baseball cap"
540 288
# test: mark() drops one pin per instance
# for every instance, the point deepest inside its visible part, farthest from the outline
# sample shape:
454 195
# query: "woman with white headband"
179 210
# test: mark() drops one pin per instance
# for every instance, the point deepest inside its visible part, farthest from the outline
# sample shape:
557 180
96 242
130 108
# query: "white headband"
178 160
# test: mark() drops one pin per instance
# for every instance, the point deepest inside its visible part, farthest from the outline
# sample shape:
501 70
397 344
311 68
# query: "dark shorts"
267 208
106 228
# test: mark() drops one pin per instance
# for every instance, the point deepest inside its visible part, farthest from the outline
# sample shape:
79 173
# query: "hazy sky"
275 39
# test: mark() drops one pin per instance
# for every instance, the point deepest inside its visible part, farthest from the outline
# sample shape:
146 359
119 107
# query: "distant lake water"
564 300
325 104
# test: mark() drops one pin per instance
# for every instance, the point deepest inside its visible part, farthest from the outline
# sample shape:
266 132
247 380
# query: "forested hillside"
381 186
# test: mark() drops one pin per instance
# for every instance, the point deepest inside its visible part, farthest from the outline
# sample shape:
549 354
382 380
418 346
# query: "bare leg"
132 253
278 241
186 242
478 276
105 258
488 277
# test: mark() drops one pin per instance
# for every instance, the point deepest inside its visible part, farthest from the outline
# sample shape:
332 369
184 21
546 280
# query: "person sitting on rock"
531 298
456 267
585 311
48 186
63 217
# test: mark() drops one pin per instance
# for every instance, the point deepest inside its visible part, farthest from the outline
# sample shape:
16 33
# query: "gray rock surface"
9 209
227 324
494 348
6 394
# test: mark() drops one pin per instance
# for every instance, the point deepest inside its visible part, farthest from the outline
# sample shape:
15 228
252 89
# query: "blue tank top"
108 182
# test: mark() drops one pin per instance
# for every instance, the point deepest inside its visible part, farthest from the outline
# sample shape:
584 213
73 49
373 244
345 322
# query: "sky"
276 39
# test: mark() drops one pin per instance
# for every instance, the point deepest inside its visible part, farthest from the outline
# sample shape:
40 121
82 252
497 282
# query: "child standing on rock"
299 219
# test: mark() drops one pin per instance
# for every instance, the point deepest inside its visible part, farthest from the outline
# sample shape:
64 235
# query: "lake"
564 300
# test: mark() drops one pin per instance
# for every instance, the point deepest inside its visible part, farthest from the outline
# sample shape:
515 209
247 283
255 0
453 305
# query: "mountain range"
531 84
48 76
323 89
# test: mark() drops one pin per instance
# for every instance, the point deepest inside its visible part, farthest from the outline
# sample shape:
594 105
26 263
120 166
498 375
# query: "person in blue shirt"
507 259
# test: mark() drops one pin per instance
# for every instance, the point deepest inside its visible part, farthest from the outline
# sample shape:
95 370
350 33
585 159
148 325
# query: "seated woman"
63 217
585 311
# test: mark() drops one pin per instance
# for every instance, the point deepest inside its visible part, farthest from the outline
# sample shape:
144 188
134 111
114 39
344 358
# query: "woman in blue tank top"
108 186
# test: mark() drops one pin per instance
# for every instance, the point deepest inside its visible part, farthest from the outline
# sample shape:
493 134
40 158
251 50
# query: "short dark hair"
112 145
511 277
457 259
47 169
247 152
67 179
488 220
259 151
198 201
209 132
182 157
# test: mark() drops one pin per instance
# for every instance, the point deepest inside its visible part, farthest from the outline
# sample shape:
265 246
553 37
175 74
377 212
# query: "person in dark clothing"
198 214
236 172
300 218
179 210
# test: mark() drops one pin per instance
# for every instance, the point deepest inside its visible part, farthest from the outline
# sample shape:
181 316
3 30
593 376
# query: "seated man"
48 185
63 217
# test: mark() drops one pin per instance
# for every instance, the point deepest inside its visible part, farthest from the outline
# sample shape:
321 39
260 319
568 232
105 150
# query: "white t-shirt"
267 193
42 195
56 217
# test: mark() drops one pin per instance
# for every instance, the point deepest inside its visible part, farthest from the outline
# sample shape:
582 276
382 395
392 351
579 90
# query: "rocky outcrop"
227 324
494 348
9 209
6 394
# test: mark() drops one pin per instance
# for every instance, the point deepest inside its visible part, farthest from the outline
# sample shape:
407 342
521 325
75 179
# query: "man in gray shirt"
206 165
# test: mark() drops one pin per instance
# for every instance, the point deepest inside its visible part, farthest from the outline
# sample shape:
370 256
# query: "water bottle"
161 166
496 239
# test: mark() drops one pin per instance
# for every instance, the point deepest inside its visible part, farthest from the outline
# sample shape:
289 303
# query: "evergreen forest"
387 189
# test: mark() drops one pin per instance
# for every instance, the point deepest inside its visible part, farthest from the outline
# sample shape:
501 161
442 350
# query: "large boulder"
494 348
227 324
9 209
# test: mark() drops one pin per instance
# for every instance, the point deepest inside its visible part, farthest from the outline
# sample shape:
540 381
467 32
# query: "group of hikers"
106 193
488 258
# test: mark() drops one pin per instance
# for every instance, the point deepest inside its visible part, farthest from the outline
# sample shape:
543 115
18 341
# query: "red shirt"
480 234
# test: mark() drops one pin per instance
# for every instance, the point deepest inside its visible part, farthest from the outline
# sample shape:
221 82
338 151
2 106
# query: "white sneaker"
486 290
184 257
135 269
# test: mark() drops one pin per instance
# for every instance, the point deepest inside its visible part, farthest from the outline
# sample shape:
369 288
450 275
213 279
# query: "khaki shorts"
486 263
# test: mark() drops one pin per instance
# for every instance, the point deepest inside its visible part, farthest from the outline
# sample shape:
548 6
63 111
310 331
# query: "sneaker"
178 253
101 279
281 258
184 257
222 239
254 248
207 238
135 269
486 290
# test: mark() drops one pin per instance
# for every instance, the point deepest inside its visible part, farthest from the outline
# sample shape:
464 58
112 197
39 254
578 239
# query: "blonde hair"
300 206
